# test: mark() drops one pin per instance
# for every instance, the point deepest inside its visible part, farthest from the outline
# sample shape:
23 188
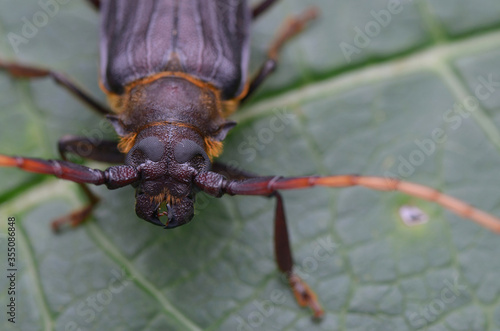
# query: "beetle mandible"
173 72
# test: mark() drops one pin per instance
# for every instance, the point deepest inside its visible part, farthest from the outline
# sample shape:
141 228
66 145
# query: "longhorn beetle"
173 72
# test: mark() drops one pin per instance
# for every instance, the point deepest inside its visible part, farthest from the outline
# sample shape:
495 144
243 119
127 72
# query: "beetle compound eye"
150 148
188 150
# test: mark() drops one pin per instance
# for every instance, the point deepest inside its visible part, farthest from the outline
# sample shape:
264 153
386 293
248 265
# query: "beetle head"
167 167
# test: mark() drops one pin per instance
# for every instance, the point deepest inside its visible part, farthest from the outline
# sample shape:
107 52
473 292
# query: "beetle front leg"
103 151
305 296
95 3
78 216
24 71
262 7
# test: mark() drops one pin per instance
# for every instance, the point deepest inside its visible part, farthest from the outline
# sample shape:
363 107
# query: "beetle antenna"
268 185
113 177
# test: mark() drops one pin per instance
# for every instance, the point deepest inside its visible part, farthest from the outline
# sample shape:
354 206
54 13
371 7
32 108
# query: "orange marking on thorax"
118 103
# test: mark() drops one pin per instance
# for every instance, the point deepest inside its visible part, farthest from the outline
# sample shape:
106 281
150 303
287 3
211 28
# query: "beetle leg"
78 216
290 28
103 151
262 7
282 250
91 149
23 71
302 292
95 3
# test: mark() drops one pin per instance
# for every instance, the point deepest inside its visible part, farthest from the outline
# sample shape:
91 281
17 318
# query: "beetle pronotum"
170 96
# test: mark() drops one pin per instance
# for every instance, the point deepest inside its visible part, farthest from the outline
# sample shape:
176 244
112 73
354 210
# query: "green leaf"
408 89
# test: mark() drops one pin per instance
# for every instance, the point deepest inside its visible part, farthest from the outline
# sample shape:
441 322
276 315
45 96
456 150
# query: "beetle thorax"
171 98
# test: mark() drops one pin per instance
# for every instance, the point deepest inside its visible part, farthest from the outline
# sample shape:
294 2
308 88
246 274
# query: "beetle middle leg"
90 149
282 250
262 7
95 3
290 28
102 151
24 71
